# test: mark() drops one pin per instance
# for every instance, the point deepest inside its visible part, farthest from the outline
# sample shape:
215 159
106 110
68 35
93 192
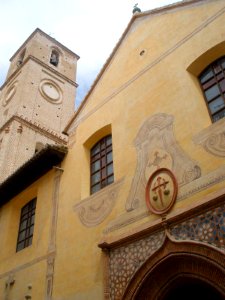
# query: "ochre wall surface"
148 97
26 267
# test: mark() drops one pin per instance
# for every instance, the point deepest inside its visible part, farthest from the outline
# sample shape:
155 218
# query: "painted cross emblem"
159 188
161 191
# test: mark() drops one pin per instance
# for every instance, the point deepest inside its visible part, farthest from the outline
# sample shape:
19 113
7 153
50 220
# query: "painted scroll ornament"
156 148
94 209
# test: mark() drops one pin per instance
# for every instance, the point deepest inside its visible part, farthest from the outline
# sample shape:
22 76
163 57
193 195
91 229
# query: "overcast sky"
89 28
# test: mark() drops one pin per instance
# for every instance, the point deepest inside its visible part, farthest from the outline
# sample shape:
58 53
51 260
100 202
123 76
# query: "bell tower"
36 100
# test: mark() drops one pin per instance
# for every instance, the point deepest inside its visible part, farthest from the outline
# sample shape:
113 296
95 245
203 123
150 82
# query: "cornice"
30 57
210 201
59 138
37 30
38 165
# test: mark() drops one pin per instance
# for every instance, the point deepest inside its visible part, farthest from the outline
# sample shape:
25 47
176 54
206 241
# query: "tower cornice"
30 57
37 30
37 127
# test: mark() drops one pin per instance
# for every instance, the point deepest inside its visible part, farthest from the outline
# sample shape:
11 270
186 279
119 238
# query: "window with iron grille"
26 228
101 164
212 81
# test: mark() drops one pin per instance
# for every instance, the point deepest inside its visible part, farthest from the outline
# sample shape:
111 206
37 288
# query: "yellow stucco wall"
28 266
132 89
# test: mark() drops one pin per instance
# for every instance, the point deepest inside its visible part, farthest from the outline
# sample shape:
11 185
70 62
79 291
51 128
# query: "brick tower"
36 100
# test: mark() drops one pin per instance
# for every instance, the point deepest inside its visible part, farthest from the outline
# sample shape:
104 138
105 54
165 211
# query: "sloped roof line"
34 168
106 64
48 37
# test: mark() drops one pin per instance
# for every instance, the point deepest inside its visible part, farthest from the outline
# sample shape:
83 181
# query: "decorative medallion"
161 191
50 91
10 93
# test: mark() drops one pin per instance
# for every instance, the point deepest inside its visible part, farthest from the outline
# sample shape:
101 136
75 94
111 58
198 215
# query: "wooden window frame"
101 164
26 226
218 75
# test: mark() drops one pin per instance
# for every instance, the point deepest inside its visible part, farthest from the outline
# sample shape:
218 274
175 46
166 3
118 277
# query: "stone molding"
212 138
10 92
52 234
30 57
56 78
177 260
184 192
51 91
25 266
94 209
156 148
10 79
55 42
57 137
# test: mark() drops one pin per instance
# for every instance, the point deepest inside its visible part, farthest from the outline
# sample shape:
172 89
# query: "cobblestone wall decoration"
207 228
156 148
126 260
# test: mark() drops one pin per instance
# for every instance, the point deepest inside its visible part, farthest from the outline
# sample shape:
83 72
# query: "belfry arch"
179 270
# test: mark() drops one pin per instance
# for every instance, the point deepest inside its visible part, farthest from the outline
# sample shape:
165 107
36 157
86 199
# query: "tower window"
26 228
21 57
54 59
101 164
212 81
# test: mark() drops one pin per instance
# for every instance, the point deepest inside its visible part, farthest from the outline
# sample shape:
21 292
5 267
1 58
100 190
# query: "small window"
21 58
26 228
212 81
54 59
101 164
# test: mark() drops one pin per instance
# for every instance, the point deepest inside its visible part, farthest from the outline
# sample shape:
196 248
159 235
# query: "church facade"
123 199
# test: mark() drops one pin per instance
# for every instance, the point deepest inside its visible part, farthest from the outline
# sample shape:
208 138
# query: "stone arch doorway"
180 270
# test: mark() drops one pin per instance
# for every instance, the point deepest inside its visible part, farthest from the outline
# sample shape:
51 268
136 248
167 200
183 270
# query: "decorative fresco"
94 209
156 148
212 138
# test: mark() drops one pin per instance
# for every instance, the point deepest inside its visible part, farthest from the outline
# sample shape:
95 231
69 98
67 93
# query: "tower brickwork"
36 100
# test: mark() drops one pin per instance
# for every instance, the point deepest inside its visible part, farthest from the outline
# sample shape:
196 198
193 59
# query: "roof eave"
32 170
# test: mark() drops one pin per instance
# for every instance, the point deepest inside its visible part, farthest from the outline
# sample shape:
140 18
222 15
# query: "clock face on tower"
50 91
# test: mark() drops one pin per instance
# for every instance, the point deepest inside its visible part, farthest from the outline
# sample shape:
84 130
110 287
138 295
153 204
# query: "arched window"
101 163
54 59
21 57
212 81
